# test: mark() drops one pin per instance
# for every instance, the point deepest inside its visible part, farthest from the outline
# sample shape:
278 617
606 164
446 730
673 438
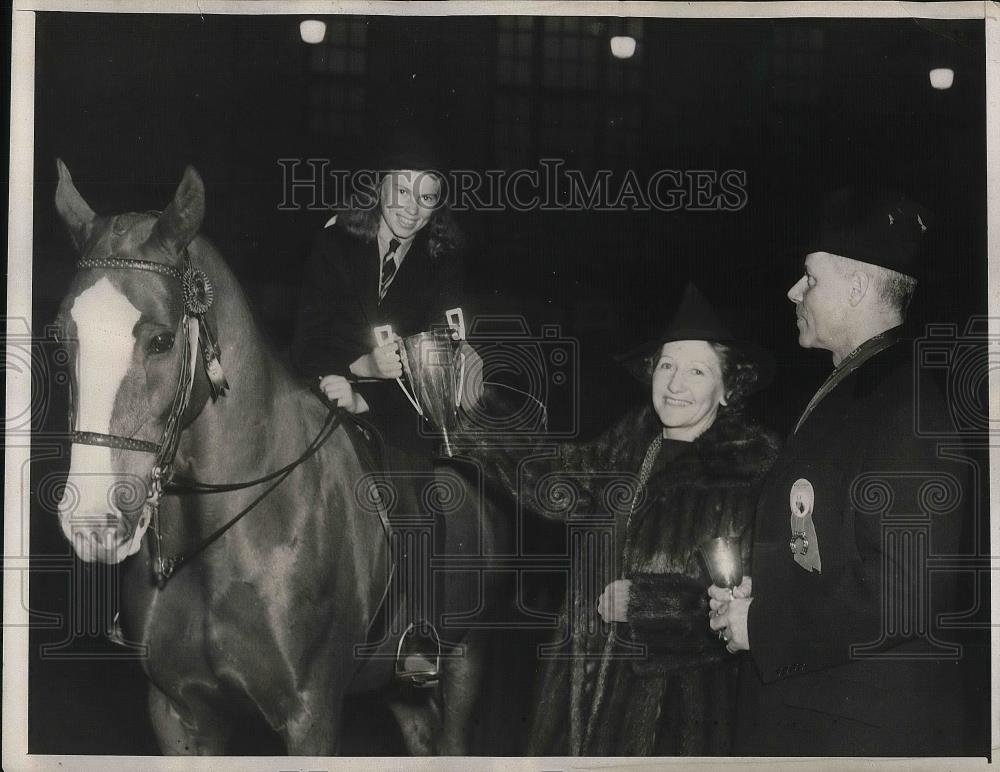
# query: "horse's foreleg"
201 733
314 732
419 722
313 727
461 684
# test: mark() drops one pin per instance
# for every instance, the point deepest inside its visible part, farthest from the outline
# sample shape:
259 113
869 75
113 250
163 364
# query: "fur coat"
662 683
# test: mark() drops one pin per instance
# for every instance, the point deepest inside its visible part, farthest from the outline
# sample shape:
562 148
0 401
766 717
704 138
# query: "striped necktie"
388 268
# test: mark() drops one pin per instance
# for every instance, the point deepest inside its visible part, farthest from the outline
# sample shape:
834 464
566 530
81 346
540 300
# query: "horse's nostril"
123 529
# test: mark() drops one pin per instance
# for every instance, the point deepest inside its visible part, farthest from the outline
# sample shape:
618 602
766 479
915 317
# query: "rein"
195 330
166 567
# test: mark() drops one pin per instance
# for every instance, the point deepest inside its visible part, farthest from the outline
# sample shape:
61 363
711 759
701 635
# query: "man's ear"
860 282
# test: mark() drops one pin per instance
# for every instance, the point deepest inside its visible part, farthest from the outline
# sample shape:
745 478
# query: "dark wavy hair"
739 375
443 235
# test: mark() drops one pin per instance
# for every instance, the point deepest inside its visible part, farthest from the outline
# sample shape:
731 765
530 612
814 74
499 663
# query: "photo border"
18 383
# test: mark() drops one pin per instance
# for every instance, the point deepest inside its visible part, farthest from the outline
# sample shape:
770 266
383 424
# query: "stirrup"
415 669
114 632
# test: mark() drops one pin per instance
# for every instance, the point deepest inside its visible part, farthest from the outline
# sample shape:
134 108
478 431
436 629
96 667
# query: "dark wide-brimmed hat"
696 319
879 226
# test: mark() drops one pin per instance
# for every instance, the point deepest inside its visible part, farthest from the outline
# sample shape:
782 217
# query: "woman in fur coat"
636 669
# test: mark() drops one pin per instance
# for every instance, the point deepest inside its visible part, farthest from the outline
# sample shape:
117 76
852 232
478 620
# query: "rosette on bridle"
198 297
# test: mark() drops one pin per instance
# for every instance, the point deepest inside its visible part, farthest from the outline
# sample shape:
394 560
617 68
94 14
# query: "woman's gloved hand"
613 603
340 392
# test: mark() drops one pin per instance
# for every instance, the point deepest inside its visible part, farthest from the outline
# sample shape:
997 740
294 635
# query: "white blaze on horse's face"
93 523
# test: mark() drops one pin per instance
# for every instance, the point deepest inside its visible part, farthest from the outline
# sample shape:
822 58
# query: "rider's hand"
340 392
381 362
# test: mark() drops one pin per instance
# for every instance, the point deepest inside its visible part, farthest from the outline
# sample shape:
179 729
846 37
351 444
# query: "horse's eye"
161 343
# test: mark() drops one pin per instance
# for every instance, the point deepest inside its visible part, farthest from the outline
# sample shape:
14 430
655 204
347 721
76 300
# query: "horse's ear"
73 210
179 224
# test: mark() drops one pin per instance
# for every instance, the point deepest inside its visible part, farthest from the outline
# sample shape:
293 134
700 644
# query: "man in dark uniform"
841 616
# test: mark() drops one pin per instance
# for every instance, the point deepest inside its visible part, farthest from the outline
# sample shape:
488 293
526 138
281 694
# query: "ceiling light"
622 46
312 31
942 78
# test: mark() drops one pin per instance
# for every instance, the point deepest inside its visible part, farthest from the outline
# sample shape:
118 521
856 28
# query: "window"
570 49
797 65
515 49
337 68
561 93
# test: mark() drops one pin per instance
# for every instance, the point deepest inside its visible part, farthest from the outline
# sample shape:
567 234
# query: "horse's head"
127 335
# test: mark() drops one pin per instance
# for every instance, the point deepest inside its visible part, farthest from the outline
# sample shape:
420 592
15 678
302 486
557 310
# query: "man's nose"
795 293
411 205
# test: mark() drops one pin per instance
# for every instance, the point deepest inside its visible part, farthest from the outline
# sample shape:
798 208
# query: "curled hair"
442 232
739 374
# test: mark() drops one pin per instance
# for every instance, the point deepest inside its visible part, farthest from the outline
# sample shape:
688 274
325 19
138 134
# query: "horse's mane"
239 321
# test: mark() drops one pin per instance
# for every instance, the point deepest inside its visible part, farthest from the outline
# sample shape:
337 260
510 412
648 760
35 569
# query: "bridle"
164 449
195 334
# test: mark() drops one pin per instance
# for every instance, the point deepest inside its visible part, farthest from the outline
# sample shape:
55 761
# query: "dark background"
800 105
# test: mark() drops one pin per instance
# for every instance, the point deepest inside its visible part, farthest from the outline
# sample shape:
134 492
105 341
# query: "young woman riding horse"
393 260
255 596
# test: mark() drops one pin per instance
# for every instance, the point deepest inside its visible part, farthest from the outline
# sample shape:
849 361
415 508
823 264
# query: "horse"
247 597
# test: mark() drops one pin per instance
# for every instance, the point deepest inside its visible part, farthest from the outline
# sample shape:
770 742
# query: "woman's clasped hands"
728 614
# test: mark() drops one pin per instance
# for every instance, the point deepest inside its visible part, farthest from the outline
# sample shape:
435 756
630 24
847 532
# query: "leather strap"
129 263
114 441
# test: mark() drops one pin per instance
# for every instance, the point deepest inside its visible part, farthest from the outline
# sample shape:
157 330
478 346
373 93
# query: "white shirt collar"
384 237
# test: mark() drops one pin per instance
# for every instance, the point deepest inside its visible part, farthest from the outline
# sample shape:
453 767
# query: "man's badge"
804 544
